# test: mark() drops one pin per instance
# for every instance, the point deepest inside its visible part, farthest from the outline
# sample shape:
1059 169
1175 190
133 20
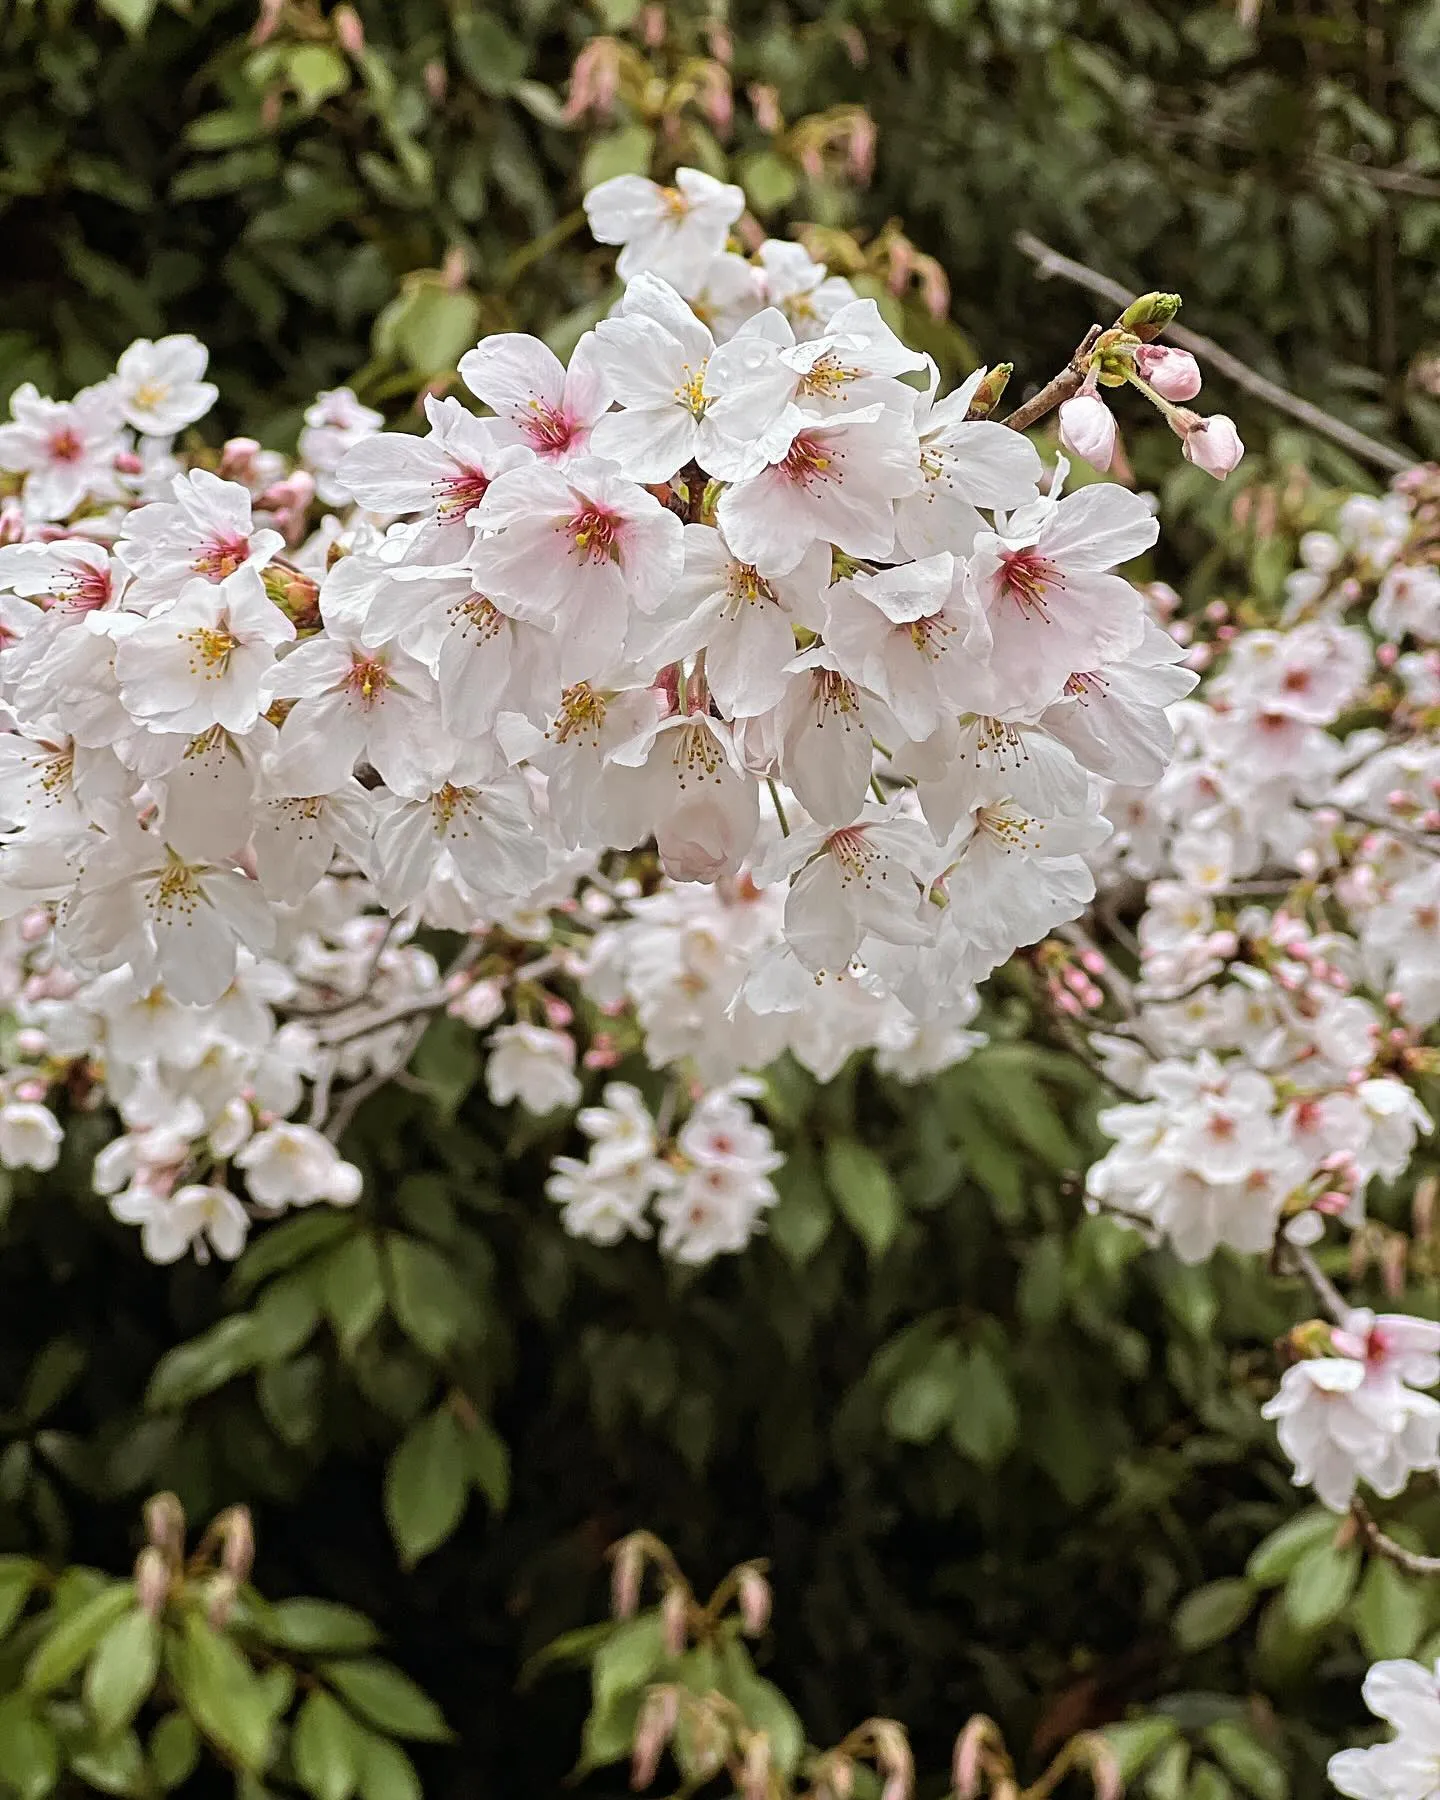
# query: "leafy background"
1001 1455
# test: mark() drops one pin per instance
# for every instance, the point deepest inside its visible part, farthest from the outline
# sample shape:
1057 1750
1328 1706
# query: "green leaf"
221 1692
427 1485
1211 1613
1389 1612
282 1246
1247 1761
433 1308
1320 1584
18 1575
386 1772
134 15
69 1642
174 1750
928 1396
205 1363
53 1373
389 1700
323 1746
770 182
29 1755
434 327
292 1397
316 73
988 1421
1135 1741
864 1192
115 1765
628 1658
352 1289
487 1458
122 1671
316 1627
492 58
623 152
801 1221
1275 1556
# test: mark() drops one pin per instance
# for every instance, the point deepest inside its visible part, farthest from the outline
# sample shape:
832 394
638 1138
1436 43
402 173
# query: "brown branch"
1055 392
1375 1539
1050 262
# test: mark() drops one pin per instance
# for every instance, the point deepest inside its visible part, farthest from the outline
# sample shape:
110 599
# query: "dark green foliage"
1278 163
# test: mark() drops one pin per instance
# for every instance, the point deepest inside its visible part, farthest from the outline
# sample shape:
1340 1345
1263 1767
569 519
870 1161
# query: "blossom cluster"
728 681
1286 873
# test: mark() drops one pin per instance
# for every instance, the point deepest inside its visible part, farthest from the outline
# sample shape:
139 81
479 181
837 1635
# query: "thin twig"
1051 262
1055 392
1409 1560
1324 1290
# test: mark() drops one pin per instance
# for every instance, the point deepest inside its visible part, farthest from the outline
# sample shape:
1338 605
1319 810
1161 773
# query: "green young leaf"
864 1192
626 151
987 1423
53 1373
1320 1584
221 1692
487 1458
29 1755
174 1750
427 1485
1246 1761
1211 1613
203 1364
69 1642
435 327
628 1658
387 1699
18 1575
1389 1612
316 1627
1275 1556
770 181
386 1772
282 1246
122 1671
115 1765
134 15
433 1307
352 1289
324 1746
492 58
317 73
1135 1741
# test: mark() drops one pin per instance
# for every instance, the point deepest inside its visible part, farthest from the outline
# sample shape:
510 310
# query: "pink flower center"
596 533
460 493
851 851
809 461
66 445
221 556
550 430
86 590
1027 577
368 679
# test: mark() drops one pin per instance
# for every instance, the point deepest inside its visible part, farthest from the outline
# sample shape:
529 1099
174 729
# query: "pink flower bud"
754 1601
349 30
30 1090
1214 445
657 1722
1174 374
674 1616
152 1580
220 1599
1387 655
31 1041
128 463
756 1780
625 1578
1087 429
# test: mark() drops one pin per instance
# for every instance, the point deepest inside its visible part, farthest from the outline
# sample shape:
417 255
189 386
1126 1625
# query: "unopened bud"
349 31
653 1731
152 1580
754 1593
297 595
674 1613
755 1778
1212 444
165 1525
629 1566
1148 316
1087 430
1104 1767
220 1599
1174 374
978 1734
987 395
892 1756
237 1542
